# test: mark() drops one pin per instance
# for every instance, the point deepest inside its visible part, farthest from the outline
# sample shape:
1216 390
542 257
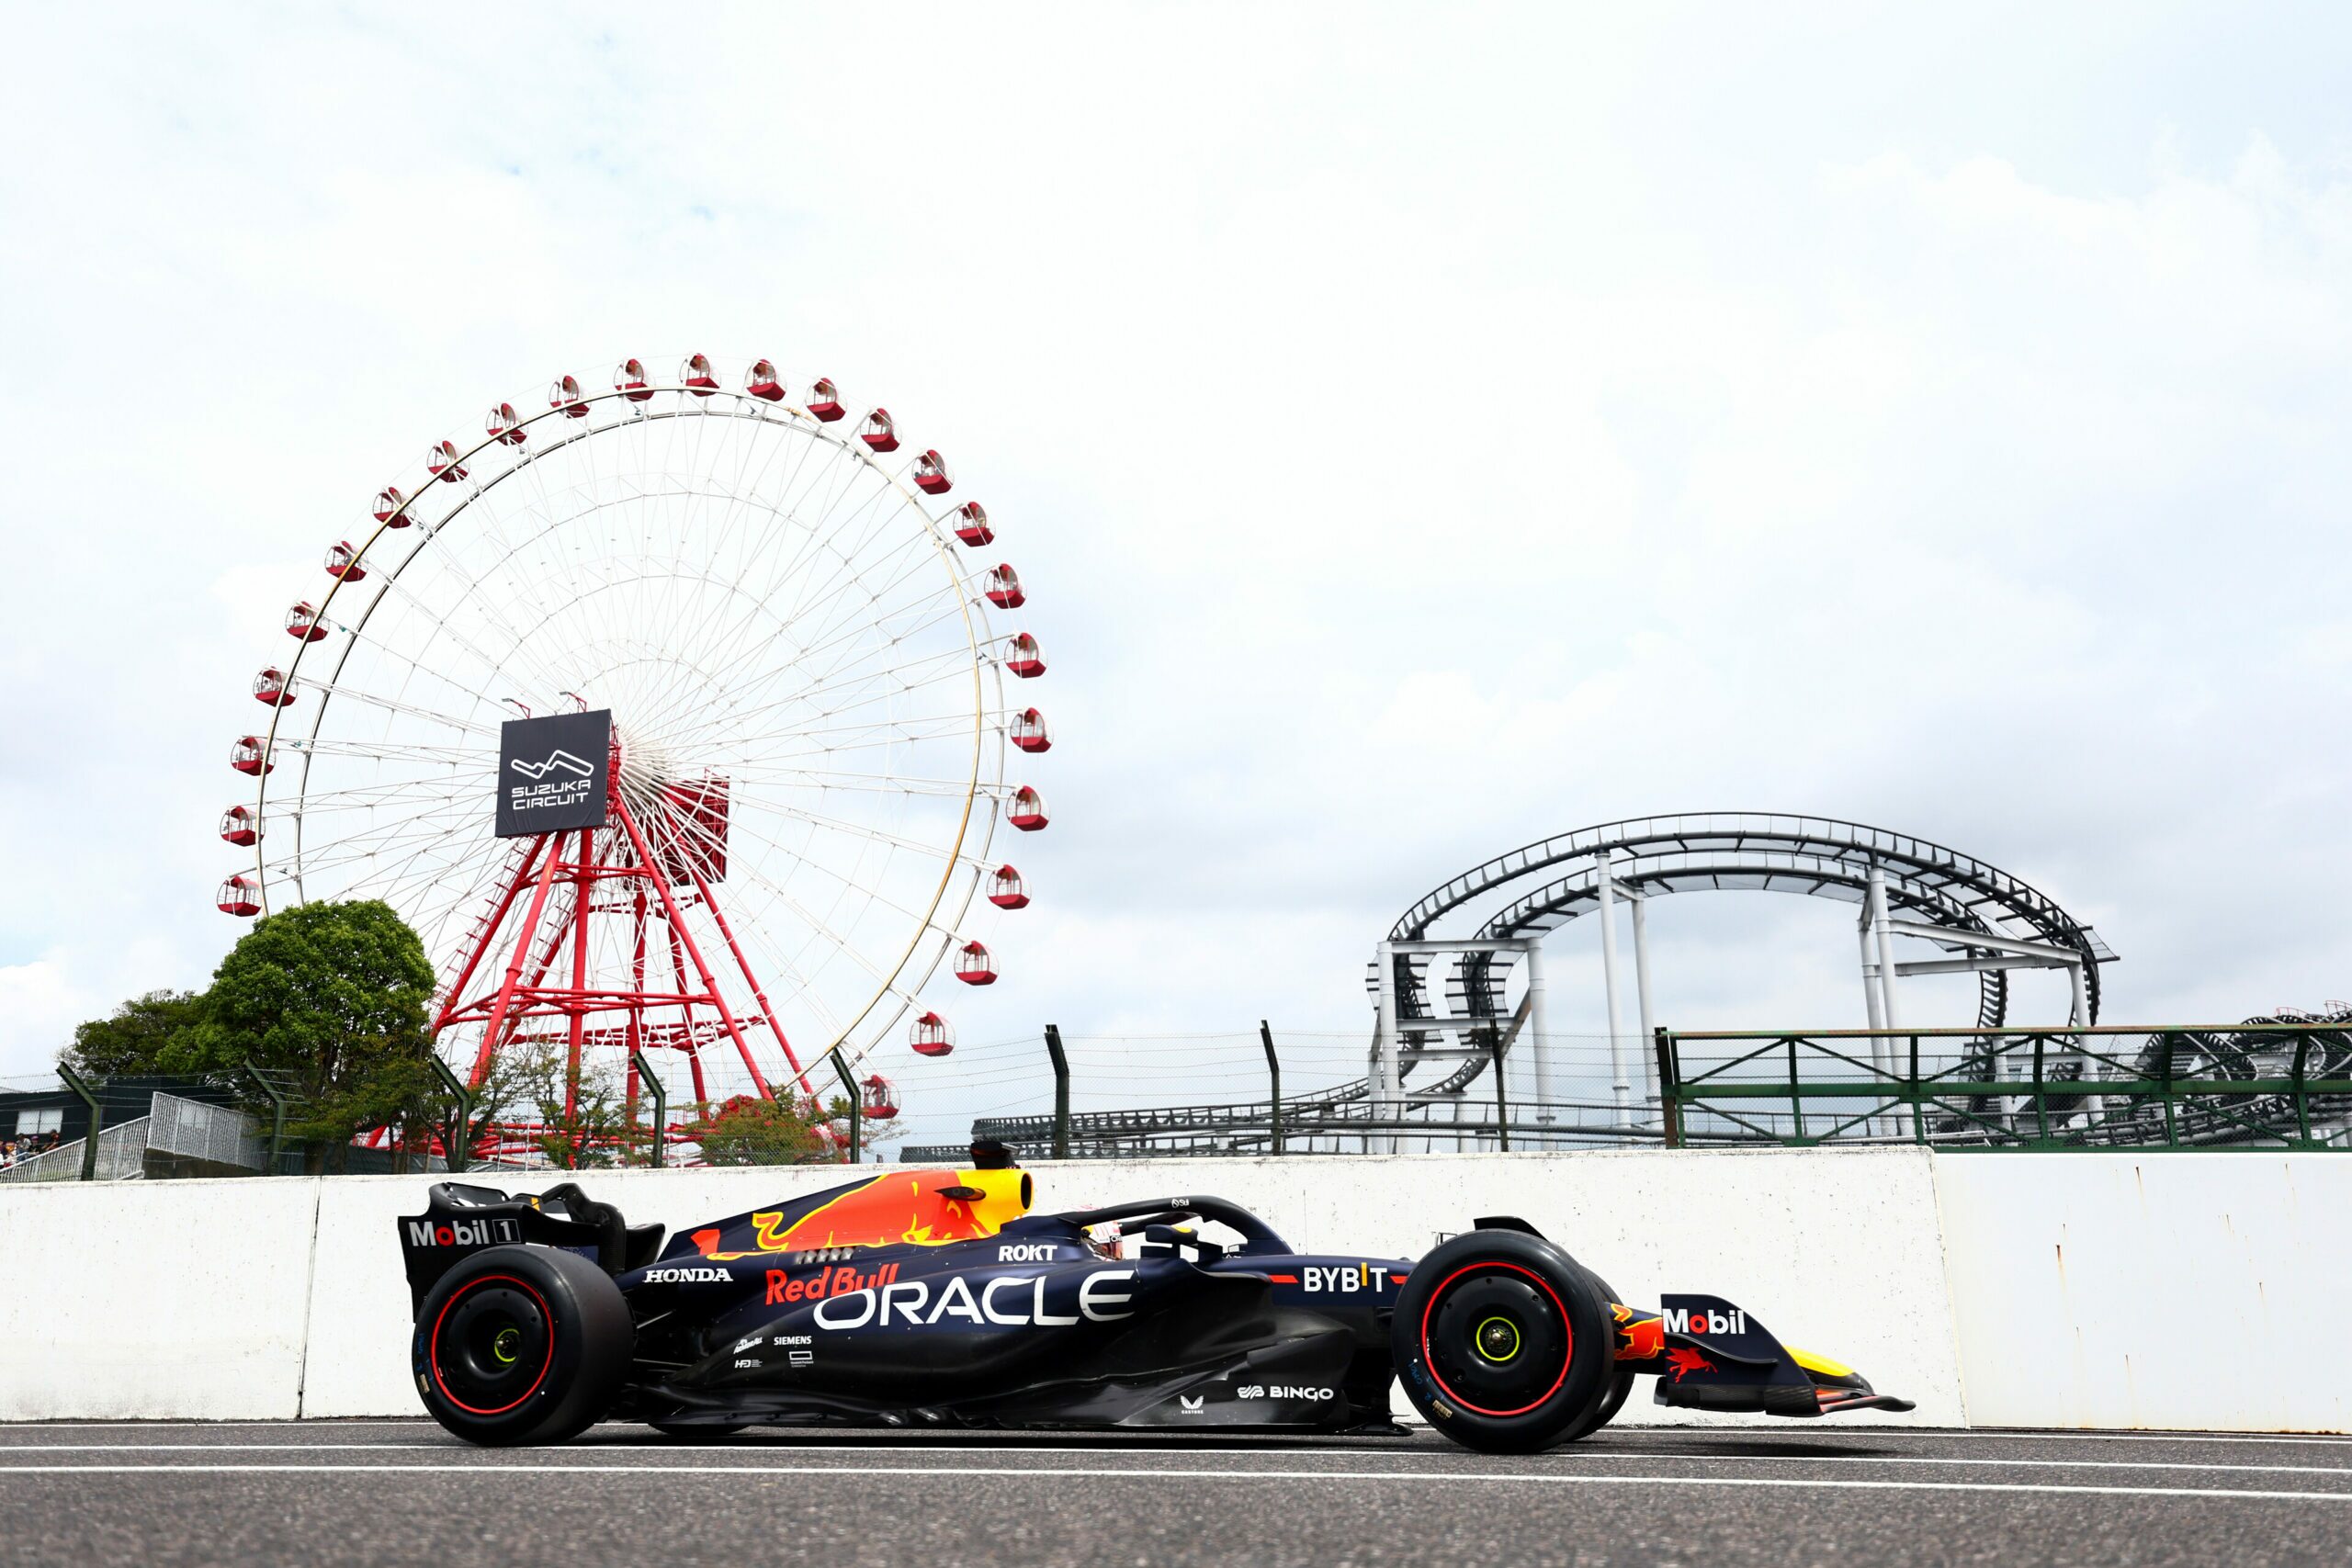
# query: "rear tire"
1501 1342
521 1345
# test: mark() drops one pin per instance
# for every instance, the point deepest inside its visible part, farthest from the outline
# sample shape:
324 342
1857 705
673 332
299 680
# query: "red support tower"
560 883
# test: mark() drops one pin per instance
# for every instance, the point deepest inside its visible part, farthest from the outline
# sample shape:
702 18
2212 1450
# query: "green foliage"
748 1130
333 999
583 1120
136 1038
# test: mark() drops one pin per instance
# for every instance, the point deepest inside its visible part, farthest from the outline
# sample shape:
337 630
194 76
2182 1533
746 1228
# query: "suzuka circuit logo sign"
551 773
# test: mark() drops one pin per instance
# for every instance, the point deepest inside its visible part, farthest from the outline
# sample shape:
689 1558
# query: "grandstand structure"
1459 993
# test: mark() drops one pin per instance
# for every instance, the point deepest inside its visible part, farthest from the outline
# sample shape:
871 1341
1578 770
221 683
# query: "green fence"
2221 1086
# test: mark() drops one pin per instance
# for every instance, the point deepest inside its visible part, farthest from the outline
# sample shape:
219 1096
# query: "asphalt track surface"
386 1492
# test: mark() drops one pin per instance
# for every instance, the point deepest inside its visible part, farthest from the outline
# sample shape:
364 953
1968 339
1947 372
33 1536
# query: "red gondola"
880 1100
760 381
1003 589
629 379
246 755
240 826
931 1036
441 459
1006 890
270 687
390 508
1022 657
972 523
303 623
878 431
239 896
931 477
973 966
825 399
565 395
695 374
343 561
503 424
1030 733
1028 812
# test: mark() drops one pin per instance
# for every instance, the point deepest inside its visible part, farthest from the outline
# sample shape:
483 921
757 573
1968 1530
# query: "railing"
2220 1086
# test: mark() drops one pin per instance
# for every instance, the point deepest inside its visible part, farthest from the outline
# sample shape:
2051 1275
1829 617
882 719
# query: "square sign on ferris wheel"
551 773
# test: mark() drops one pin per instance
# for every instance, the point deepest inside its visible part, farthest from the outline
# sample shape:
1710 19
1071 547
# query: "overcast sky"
1421 430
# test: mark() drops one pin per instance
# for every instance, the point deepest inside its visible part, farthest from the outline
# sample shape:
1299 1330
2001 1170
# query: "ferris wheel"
805 766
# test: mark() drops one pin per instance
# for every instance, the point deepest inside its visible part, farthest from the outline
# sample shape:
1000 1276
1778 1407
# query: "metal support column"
2095 1105
1274 1072
1061 1091
1385 1077
462 1124
1502 1100
1619 1075
856 1110
1539 1031
1641 996
1869 969
660 1102
72 1081
1883 1049
276 1114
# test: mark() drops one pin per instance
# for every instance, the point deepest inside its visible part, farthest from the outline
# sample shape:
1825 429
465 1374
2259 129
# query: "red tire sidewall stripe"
1566 1327
545 1316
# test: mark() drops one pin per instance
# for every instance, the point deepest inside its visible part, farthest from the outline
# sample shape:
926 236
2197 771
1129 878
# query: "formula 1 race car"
921 1297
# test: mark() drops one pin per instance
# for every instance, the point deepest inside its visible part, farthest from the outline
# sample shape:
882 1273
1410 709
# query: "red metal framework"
613 873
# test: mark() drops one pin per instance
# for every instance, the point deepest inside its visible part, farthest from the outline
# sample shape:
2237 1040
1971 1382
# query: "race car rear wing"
460 1219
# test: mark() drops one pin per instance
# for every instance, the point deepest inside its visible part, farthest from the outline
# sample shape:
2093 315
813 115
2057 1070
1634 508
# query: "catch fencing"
2265 1084
2277 1086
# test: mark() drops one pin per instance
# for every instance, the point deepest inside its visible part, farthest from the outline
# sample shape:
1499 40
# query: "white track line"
129 1423
1995 1436
1720 1435
1034 1474
486 1458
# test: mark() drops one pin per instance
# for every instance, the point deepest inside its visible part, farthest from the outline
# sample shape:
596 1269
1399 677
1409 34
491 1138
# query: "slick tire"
1502 1343
1621 1380
522 1345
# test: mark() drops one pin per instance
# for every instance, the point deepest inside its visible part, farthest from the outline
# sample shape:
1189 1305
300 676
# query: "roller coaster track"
1541 886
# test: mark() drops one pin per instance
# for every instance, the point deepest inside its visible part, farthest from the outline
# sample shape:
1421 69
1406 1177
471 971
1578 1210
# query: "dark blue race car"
921 1297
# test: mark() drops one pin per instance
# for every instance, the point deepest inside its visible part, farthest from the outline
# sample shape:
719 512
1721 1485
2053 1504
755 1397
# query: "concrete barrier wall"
1938 1276
2186 1290
163 1299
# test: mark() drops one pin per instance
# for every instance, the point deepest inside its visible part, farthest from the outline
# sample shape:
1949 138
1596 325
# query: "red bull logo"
784 1290
1640 1337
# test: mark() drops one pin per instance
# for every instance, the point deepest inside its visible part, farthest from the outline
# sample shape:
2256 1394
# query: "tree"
748 1130
335 998
582 1118
136 1037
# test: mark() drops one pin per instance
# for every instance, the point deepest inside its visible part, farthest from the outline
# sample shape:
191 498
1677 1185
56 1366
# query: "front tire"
1620 1379
1501 1342
522 1345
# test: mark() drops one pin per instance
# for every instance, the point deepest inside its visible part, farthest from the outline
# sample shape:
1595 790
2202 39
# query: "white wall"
154 1299
2070 1289
2185 1291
